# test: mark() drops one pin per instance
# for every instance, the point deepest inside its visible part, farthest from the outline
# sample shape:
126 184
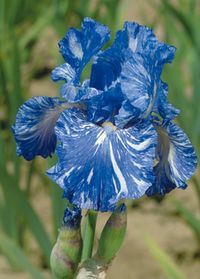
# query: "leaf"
182 18
167 264
189 217
32 33
58 205
13 252
21 205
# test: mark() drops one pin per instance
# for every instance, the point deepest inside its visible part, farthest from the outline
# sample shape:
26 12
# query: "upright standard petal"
132 39
34 126
77 47
176 159
139 80
98 166
141 39
161 105
134 62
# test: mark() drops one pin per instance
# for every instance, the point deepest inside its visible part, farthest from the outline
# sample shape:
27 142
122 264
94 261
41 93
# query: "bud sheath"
66 252
113 234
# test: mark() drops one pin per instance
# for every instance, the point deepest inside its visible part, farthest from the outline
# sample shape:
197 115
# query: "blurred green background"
163 239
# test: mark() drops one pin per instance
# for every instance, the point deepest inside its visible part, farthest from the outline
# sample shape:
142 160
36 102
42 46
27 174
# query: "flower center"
109 126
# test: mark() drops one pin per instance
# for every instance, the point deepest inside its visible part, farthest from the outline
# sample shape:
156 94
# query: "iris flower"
115 132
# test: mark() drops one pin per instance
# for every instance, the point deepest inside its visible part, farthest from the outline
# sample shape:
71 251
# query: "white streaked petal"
98 166
176 160
64 72
34 126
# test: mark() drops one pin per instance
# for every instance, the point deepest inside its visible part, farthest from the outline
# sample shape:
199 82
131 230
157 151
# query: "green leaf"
190 218
22 206
58 205
13 252
42 21
182 18
167 264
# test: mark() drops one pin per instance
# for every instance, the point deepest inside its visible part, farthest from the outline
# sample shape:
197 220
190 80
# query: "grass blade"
22 206
190 218
182 18
17 257
39 25
58 205
167 264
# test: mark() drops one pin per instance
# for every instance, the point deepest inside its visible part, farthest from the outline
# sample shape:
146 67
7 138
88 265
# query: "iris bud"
66 253
113 234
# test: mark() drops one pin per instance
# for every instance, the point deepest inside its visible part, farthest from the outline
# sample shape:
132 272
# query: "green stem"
89 232
197 187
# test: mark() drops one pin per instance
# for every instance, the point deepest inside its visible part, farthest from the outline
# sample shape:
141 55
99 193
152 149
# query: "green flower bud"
113 234
66 253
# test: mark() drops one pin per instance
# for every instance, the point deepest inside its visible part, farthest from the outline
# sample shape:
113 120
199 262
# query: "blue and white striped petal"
77 47
98 166
139 78
132 39
105 105
79 93
176 160
34 126
64 72
141 39
134 62
161 106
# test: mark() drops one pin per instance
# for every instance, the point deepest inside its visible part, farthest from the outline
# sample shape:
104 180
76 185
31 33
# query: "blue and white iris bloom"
116 134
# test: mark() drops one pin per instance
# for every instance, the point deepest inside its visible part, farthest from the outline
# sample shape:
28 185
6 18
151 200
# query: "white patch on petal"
90 176
141 145
139 182
144 72
133 44
69 171
101 138
152 101
60 179
115 185
75 46
118 171
171 161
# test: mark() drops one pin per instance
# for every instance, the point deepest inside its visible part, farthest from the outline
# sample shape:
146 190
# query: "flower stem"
89 232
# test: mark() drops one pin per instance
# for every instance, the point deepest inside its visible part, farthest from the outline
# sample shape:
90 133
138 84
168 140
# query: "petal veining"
77 47
134 62
63 72
139 79
34 126
176 160
98 167
161 105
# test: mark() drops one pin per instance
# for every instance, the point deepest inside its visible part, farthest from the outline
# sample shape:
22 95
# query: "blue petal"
79 93
101 165
133 38
134 62
142 40
139 80
176 160
161 105
64 72
78 47
72 218
34 127
104 106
